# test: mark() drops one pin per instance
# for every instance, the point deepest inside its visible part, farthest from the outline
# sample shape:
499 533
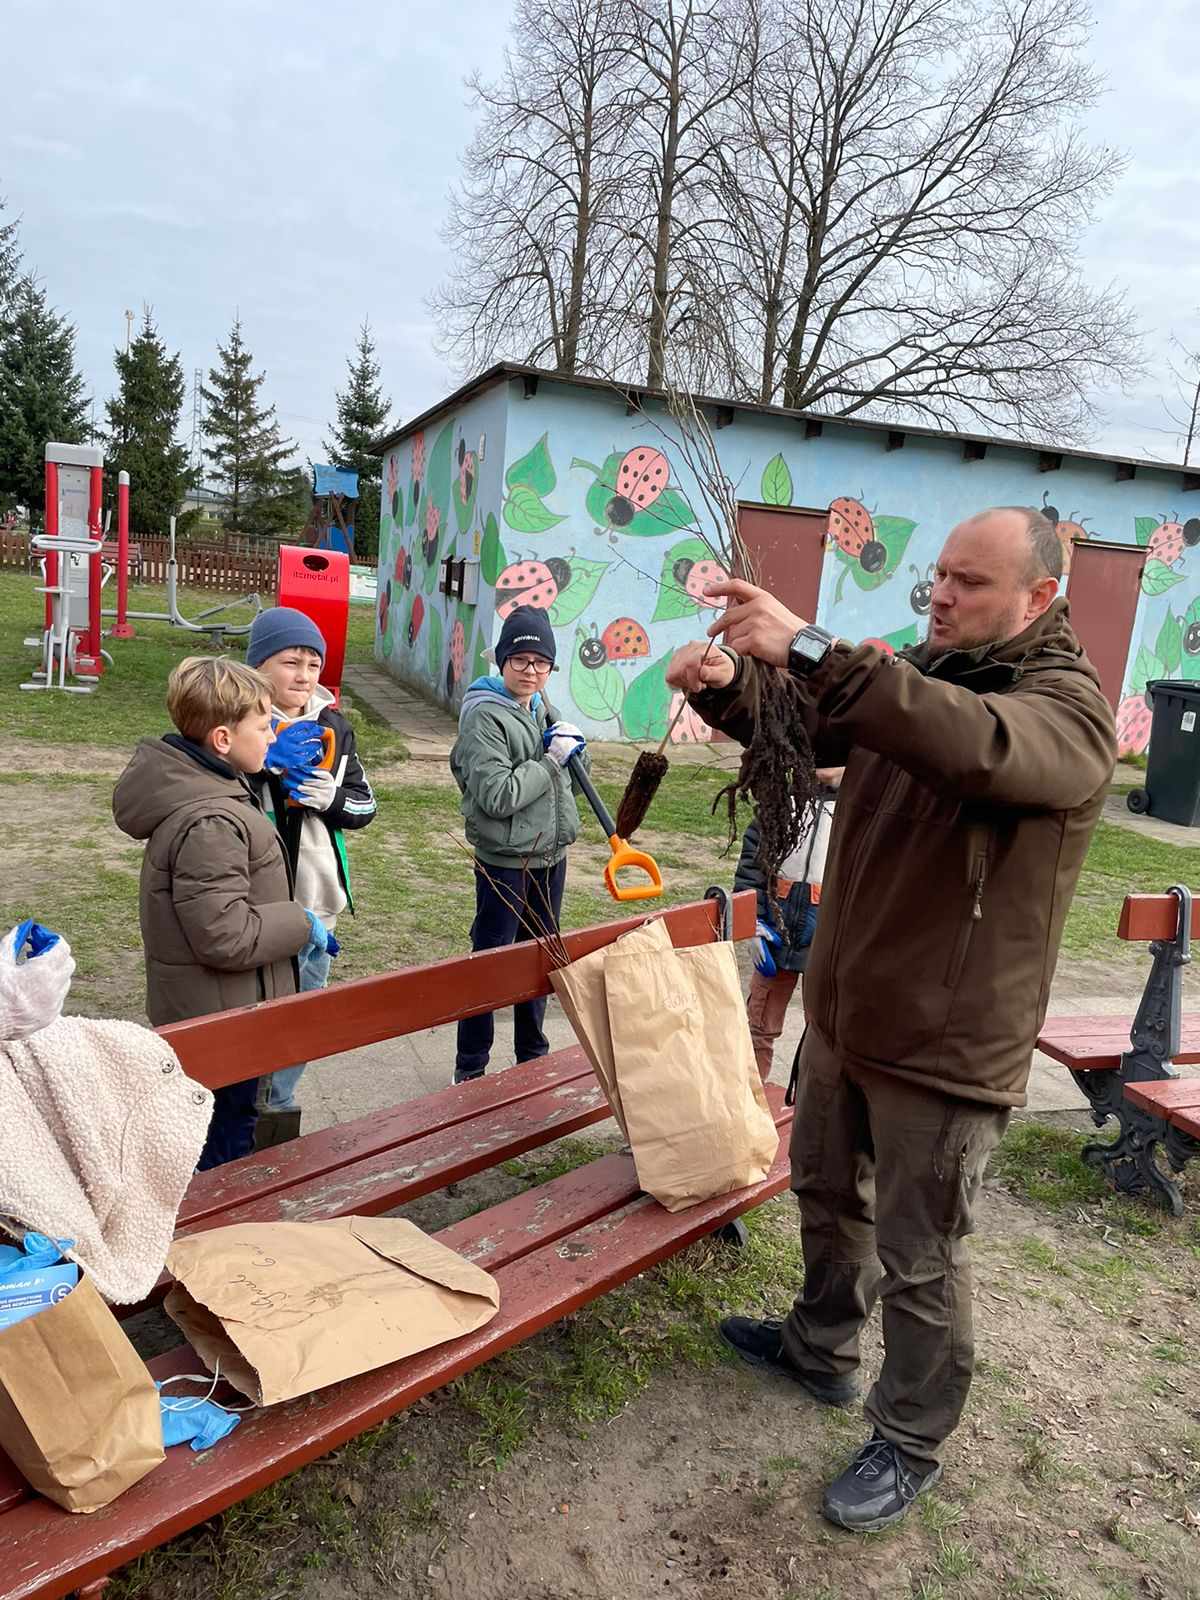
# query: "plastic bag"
36 967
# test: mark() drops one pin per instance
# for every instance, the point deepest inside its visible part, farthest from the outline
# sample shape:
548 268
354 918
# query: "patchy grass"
1043 1163
1121 862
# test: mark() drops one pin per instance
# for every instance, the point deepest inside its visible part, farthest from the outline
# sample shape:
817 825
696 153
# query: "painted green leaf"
598 693
903 638
603 488
525 511
464 510
492 559
674 601
777 483
480 665
893 534
574 600
1157 578
437 472
1168 647
670 511
1146 667
1189 626
1143 527
433 643
646 710
534 470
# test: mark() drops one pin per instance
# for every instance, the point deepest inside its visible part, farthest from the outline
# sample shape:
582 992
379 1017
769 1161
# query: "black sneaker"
467 1074
876 1489
761 1344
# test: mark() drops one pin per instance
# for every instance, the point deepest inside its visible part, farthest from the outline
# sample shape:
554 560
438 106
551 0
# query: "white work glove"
317 791
562 741
35 974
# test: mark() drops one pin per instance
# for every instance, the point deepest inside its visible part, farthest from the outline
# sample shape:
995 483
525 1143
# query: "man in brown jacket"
976 767
219 925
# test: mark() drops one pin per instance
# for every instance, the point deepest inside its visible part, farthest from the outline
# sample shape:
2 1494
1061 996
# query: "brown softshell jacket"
219 925
973 783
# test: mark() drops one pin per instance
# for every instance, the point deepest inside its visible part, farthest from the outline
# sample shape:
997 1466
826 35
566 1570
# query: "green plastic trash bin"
1172 791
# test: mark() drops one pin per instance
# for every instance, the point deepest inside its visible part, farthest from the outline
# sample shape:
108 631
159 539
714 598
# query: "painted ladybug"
1048 511
641 477
458 648
592 654
1134 719
1191 532
695 575
852 530
921 596
528 583
1067 531
1191 639
432 534
625 640
415 621
691 727
882 644
466 473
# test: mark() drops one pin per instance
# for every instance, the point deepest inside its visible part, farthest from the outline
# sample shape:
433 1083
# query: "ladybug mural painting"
1069 530
632 494
870 547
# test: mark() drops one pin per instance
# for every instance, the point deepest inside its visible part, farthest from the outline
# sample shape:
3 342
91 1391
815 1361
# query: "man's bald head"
998 571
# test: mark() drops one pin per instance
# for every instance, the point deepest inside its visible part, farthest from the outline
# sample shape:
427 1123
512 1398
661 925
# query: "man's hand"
754 623
700 666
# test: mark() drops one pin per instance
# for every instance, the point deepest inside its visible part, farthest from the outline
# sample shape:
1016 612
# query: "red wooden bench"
552 1249
1130 1072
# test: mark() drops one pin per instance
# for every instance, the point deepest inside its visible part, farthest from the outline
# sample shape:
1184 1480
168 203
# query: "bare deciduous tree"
855 206
529 223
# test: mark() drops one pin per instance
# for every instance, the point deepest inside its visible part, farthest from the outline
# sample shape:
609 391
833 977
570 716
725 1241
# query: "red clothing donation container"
317 582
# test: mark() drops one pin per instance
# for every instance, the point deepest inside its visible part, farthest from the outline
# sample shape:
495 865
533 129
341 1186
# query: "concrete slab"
1116 810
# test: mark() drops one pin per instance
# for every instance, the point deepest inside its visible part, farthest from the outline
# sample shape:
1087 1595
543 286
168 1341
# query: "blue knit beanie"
282 628
526 628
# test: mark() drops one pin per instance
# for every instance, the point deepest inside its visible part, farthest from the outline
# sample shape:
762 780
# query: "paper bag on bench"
289 1307
669 1028
79 1413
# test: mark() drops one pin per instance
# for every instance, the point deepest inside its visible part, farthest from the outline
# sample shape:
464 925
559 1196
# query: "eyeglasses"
537 664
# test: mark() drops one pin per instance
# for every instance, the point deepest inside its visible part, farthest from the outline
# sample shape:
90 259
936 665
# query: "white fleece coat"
101 1134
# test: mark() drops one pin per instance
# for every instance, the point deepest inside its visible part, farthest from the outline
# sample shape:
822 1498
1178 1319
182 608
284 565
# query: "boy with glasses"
518 804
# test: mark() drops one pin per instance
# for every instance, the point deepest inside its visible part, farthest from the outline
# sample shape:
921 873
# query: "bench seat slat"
1175 1099
315 1154
1097 1043
46 1553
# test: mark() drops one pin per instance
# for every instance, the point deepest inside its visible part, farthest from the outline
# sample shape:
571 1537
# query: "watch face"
810 647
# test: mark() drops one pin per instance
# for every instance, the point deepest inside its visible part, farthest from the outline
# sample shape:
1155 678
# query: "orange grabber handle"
328 745
623 854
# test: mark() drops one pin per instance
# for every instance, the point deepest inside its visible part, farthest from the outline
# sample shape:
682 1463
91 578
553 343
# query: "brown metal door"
786 549
1103 590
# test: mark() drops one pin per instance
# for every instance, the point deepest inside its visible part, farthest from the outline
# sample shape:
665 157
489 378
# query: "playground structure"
331 520
72 571
74 567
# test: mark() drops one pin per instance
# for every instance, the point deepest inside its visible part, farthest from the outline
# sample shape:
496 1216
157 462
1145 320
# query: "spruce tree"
143 423
10 263
246 447
41 394
362 413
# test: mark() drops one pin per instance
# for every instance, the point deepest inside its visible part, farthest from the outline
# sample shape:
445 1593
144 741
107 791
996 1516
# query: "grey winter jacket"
219 926
517 804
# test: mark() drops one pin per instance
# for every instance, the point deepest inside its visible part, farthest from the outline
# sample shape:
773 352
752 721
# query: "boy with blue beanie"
518 805
313 787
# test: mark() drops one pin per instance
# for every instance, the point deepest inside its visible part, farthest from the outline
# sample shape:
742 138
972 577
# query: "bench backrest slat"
246 1043
1153 916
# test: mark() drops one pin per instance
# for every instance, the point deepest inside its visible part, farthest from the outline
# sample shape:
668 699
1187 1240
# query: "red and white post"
123 628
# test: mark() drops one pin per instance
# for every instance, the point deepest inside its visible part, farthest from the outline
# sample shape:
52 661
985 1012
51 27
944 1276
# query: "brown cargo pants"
887 1173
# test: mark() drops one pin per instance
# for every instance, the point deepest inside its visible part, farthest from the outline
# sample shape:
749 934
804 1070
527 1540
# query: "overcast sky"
291 160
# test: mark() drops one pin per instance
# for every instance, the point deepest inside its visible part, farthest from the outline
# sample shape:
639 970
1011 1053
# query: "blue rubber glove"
320 938
38 939
765 937
200 1423
297 750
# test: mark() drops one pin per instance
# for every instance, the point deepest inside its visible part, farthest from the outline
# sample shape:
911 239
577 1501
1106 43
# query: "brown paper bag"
670 1025
79 1413
289 1307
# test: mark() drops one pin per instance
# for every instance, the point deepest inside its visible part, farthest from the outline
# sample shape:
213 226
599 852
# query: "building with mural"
528 488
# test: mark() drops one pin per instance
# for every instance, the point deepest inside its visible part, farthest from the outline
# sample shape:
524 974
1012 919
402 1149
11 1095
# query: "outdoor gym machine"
217 631
73 574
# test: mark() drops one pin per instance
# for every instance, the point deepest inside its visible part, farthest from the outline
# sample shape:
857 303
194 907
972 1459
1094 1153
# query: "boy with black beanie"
518 804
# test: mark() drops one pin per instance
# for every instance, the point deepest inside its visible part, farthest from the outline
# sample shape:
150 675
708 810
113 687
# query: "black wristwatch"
808 649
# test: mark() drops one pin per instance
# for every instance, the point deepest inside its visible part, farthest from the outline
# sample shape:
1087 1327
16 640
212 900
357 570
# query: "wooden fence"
227 568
